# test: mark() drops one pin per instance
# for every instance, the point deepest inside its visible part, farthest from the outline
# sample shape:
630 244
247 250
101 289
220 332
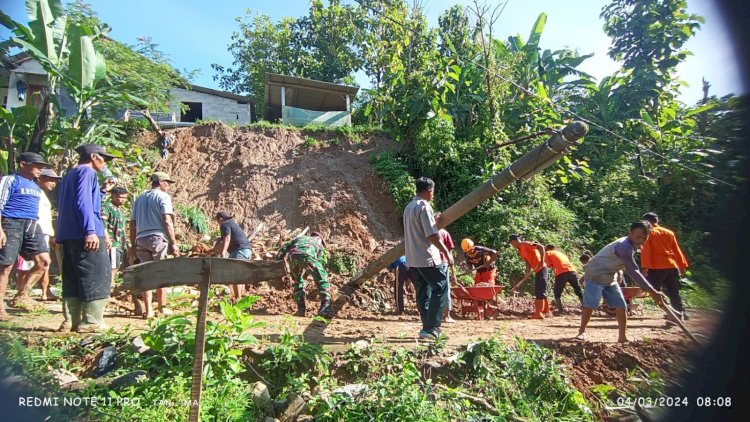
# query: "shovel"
668 309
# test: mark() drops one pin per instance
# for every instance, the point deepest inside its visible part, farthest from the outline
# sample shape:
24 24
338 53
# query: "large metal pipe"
524 168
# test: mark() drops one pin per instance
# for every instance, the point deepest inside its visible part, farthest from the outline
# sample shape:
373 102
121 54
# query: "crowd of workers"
428 263
94 232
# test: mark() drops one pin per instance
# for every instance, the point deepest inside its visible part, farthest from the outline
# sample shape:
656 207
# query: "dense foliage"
451 93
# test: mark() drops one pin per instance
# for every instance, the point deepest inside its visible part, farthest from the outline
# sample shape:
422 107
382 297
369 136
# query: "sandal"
580 337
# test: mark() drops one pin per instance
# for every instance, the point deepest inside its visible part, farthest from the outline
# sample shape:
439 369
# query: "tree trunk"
42 123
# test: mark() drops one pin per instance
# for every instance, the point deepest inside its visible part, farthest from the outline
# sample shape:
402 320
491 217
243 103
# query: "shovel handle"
668 309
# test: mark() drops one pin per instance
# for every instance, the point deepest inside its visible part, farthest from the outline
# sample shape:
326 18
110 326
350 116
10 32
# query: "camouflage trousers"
302 265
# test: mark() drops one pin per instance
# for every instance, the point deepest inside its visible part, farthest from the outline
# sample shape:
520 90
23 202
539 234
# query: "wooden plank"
181 271
200 344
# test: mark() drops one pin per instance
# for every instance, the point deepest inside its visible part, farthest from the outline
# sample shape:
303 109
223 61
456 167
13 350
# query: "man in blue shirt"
86 272
402 274
19 212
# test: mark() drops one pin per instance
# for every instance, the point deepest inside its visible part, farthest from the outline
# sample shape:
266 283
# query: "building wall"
214 107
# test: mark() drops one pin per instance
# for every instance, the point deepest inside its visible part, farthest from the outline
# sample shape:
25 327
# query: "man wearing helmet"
480 259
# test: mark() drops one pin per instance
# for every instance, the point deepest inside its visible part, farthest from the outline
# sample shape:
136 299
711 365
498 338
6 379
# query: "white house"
22 79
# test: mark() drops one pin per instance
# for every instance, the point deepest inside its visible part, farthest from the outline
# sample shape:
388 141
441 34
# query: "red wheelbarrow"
480 299
629 293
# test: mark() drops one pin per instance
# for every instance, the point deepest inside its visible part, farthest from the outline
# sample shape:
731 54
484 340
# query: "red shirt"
531 255
447 240
558 261
661 251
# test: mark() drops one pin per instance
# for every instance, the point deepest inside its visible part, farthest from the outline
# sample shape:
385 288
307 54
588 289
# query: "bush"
394 172
196 218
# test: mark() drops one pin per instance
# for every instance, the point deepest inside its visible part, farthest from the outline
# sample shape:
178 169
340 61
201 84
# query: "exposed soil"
271 177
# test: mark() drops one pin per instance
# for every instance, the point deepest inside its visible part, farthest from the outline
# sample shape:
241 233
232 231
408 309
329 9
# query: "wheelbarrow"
629 293
480 299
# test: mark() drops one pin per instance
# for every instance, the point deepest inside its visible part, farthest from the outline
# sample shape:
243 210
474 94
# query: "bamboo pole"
524 168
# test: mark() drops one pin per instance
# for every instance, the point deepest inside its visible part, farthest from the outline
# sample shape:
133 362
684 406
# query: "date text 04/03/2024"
675 401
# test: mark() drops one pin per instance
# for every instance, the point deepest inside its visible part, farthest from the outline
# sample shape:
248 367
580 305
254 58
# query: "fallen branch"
476 400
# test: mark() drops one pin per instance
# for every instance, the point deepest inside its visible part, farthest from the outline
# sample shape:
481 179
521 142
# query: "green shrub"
196 218
394 172
342 263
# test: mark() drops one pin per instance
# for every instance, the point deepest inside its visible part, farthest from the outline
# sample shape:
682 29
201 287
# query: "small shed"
301 101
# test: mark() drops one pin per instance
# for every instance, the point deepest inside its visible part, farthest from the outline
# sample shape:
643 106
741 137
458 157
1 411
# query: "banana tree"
16 126
66 52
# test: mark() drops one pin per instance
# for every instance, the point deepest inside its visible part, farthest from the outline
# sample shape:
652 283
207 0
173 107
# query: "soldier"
306 256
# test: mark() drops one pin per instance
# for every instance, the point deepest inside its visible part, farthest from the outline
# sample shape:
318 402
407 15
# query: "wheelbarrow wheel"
609 310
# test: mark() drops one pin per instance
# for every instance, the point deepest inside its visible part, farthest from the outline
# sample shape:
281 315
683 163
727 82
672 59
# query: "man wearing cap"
306 255
86 271
19 213
533 255
152 232
47 181
233 244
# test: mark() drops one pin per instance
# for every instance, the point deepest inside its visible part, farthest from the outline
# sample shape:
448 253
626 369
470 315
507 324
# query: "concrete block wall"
223 109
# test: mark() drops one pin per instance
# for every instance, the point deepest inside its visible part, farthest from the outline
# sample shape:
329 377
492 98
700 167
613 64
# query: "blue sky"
195 33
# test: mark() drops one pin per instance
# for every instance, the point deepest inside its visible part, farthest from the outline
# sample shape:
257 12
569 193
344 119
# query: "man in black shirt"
233 244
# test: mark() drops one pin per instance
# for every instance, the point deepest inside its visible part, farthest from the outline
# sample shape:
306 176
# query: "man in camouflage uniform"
306 255
115 223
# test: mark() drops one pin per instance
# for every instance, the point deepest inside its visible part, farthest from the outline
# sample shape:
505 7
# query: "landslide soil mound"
275 177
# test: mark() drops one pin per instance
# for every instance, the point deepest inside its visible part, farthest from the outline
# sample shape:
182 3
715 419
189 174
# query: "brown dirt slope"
269 176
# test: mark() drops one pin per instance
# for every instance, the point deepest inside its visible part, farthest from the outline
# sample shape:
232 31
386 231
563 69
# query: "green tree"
317 46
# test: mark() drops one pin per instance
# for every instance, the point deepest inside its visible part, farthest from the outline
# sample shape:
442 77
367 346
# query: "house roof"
307 93
242 99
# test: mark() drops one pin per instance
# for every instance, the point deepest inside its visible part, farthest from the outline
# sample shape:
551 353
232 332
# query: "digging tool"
187 271
255 232
668 309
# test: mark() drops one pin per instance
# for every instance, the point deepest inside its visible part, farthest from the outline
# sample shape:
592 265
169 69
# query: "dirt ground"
655 346
402 329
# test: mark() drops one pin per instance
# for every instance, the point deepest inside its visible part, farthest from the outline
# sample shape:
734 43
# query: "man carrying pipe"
533 255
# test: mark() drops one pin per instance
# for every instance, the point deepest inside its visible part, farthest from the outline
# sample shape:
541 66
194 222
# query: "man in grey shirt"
423 247
152 232
599 278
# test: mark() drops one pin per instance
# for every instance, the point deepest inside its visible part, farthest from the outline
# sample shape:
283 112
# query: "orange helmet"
467 245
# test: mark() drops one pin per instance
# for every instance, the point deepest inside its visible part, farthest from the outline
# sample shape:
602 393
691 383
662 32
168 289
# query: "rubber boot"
93 316
300 307
71 313
538 309
325 309
546 311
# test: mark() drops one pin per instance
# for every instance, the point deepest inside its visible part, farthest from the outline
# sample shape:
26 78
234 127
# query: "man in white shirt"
423 248
152 233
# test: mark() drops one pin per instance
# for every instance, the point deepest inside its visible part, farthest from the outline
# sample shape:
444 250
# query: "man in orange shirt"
533 255
662 262
564 273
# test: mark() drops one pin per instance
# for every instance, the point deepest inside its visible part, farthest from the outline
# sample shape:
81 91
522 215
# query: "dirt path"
402 330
